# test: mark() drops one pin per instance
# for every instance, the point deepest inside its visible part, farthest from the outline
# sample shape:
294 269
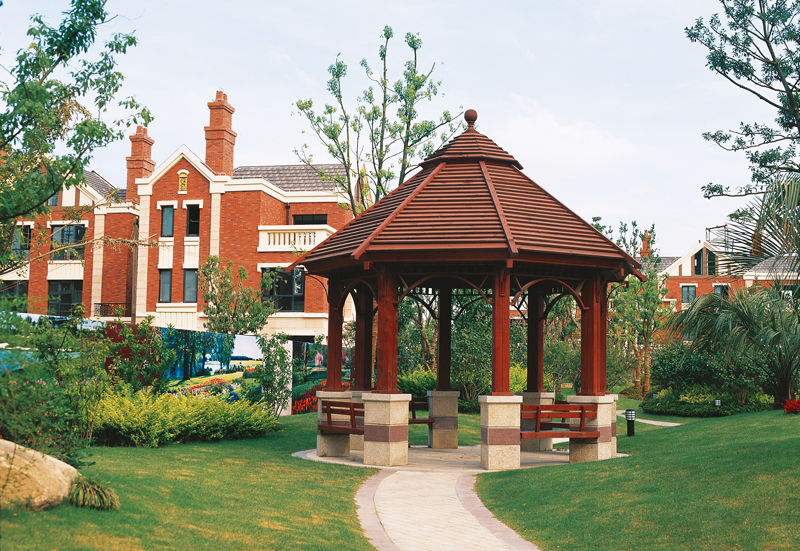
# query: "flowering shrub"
792 406
307 401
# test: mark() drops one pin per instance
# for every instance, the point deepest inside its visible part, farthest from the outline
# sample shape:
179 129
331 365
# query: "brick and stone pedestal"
385 429
596 449
443 406
333 445
357 440
500 417
535 444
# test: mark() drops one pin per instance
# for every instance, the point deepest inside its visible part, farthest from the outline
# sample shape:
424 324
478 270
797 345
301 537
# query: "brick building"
257 216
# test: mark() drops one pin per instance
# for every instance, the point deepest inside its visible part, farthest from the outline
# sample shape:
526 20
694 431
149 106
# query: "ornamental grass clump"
92 494
147 420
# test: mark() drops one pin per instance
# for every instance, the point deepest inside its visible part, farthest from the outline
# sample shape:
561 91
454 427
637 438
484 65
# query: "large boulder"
32 479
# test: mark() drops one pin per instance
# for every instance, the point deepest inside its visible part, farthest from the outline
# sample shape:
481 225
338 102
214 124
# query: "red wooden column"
593 339
335 319
535 341
362 356
444 351
386 375
501 332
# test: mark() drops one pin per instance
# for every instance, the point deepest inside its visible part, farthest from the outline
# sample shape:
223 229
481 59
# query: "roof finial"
471 116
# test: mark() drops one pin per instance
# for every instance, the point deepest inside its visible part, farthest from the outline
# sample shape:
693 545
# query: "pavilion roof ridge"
512 246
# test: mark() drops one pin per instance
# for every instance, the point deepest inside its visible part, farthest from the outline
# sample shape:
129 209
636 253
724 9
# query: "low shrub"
698 401
92 494
144 419
792 406
631 392
417 383
469 406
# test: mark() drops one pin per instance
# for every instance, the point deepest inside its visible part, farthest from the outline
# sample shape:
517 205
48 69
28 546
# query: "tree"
374 147
636 308
231 306
757 48
275 372
56 96
759 323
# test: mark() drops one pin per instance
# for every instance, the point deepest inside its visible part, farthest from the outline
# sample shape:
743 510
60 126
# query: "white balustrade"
292 238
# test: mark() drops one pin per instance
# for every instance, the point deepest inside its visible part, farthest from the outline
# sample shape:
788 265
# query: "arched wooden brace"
573 292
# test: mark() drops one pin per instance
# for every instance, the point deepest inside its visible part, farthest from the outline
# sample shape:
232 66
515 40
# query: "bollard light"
630 416
717 402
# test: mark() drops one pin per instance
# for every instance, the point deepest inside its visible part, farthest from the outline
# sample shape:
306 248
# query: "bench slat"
559 434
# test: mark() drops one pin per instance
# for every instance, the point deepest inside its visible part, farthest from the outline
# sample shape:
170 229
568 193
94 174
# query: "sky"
603 103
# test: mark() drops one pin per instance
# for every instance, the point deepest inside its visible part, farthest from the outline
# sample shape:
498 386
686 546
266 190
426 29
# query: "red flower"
792 406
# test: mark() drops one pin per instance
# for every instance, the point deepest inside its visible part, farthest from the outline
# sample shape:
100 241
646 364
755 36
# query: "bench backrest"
543 412
350 409
417 404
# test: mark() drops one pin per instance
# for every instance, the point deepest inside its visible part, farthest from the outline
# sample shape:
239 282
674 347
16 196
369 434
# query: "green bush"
144 419
417 383
698 401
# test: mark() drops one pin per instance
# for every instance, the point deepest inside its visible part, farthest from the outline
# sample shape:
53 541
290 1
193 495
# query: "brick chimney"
140 165
220 137
646 251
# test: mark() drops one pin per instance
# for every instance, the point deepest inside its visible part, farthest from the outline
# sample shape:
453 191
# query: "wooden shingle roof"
470 201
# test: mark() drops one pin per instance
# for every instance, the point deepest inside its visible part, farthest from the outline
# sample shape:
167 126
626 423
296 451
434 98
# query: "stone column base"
596 449
357 440
535 444
385 429
443 406
500 432
332 445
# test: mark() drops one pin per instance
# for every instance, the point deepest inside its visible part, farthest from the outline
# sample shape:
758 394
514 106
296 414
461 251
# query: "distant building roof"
782 265
664 262
292 177
100 184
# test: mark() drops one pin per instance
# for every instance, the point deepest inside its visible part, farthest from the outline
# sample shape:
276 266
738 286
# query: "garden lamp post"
630 416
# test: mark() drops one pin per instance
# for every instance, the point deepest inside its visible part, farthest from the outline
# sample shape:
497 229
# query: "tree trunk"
647 361
637 374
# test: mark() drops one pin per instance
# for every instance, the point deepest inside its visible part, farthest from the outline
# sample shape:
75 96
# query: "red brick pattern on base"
500 436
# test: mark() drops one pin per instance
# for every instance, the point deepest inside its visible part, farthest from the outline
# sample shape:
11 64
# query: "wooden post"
443 353
335 319
593 336
501 333
386 376
535 341
362 356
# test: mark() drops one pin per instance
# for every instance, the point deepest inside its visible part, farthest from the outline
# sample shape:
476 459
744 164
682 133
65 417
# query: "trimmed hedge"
144 419
698 401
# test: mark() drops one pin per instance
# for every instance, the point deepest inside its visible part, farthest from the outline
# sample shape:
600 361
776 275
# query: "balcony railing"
111 309
292 238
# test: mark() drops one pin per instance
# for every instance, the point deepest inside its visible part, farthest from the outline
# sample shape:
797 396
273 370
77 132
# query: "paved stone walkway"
431 504
621 413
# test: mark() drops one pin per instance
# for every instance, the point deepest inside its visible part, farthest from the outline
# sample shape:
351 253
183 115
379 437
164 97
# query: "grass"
246 494
625 403
722 483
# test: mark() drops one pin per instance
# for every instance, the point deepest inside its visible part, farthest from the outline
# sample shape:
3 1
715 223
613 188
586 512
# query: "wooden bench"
419 404
546 425
329 425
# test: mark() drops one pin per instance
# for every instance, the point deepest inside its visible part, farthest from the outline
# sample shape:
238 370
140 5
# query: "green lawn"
247 494
721 483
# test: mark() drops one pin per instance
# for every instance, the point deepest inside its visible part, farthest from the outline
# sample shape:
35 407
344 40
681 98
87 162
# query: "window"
14 296
721 290
192 220
689 292
712 263
698 263
63 296
190 286
165 286
66 239
288 290
21 246
52 201
167 221
299 219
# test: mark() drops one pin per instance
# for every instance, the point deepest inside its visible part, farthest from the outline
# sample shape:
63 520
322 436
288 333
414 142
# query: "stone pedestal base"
333 445
385 429
500 432
596 449
535 444
443 406
357 440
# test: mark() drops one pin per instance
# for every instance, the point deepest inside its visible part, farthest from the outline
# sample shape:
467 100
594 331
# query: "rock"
35 481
